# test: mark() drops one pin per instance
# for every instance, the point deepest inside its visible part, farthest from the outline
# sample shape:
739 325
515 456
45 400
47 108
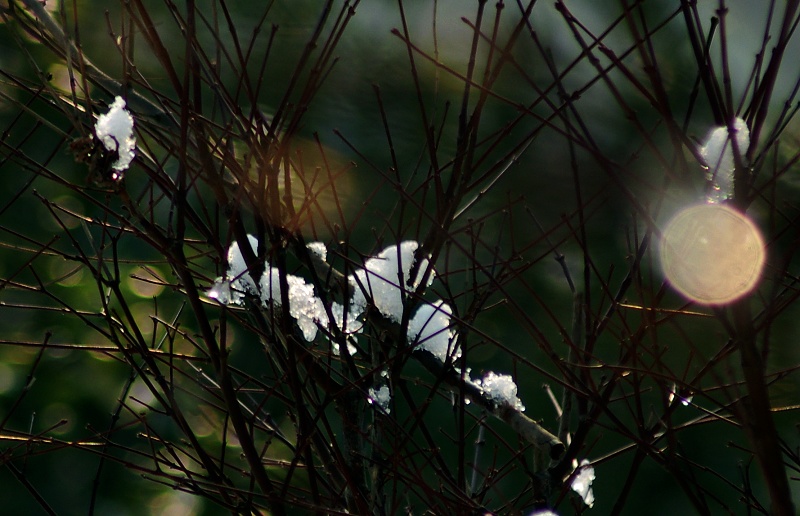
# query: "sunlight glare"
712 254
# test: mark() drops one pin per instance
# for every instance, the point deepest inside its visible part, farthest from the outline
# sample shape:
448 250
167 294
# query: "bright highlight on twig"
712 254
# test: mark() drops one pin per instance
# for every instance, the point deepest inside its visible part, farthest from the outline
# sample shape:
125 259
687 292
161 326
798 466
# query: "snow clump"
501 389
304 305
430 329
385 279
319 250
717 152
115 130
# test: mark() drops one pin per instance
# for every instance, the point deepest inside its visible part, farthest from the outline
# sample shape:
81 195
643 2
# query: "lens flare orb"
712 254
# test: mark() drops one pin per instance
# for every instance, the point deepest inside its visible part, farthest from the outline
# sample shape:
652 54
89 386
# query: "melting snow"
717 151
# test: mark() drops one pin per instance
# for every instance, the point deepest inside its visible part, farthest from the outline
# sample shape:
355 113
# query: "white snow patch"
385 279
717 152
348 325
270 285
501 389
319 250
305 307
241 282
115 130
430 328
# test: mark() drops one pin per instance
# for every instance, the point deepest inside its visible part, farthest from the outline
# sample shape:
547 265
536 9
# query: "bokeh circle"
712 254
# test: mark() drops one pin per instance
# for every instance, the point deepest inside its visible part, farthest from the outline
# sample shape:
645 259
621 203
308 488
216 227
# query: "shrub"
374 258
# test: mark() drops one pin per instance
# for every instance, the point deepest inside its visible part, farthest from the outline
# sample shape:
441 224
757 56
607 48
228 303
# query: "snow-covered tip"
501 389
380 398
717 152
430 328
115 130
386 277
582 482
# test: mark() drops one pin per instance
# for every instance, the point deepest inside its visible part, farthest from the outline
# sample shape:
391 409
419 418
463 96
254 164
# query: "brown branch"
755 413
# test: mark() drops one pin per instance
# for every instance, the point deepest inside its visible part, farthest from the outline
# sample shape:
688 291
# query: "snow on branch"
717 152
430 328
305 307
385 279
115 130
501 408
385 282
581 483
502 389
380 397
